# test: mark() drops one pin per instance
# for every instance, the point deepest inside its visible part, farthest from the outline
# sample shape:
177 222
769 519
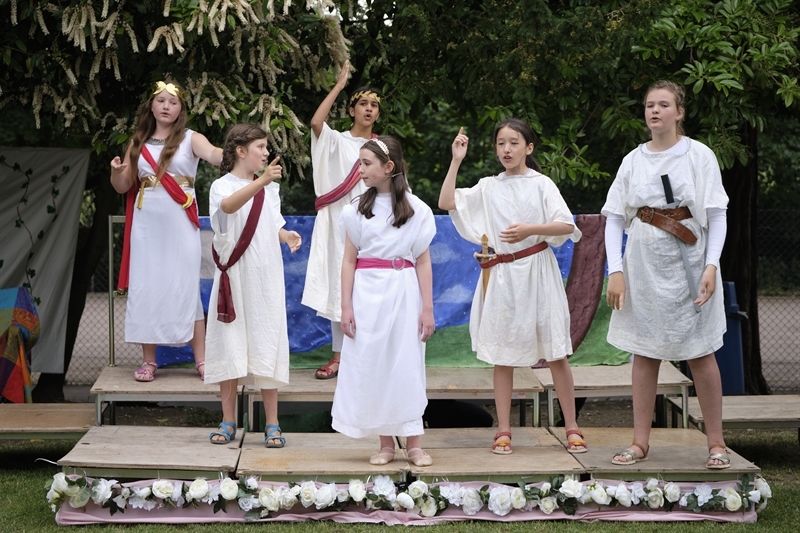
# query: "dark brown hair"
401 207
146 126
678 93
238 135
524 129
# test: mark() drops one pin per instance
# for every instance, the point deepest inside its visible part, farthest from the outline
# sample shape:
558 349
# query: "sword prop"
681 245
483 256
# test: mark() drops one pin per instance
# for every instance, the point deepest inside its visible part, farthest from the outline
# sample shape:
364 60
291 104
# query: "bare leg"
708 385
270 397
198 342
503 386
565 389
645 385
149 353
331 368
227 393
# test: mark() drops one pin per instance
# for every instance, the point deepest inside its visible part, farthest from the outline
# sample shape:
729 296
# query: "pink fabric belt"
398 263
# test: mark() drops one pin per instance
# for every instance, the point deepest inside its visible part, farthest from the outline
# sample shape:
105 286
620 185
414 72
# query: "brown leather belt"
667 219
510 258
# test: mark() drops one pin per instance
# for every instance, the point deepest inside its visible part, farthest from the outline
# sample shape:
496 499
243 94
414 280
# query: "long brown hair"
678 93
146 126
238 135
401 207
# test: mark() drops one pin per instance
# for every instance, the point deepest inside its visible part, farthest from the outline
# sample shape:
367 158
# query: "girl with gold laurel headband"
655 315
387 233
334 157
163 284
521 315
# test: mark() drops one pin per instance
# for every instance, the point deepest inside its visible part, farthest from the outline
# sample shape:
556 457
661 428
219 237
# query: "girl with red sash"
387 233
247 336
519 312
334 156
161 257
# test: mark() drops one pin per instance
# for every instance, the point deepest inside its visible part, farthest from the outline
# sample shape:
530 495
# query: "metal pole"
111 291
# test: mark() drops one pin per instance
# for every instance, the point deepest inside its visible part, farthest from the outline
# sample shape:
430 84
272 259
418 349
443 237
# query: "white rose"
288 497
762 486
428 507
598 494
548 504
101 491
307 492
655 498
754 496
672 492
268 499
572 488
342 496
80 499
248 502
623 495
163 488
383 486
325 496
417 489
357 490
59 483
500 500
228 489
733 500
198 489
471 502
405 500
651 484
517 498
544 490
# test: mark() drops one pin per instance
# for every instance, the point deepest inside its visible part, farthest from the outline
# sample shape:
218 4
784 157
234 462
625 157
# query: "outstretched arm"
235 201
206 151
447 196
325 107
520 232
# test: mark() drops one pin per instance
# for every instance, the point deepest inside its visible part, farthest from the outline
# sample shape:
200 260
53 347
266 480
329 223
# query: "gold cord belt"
151 181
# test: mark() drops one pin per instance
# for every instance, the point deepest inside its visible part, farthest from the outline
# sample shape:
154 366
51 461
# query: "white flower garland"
259 499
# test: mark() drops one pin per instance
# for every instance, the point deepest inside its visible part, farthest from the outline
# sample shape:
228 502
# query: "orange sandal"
325 371
502 440
573 445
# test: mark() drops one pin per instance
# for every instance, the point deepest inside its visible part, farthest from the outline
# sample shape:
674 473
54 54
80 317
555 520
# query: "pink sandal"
144 374
201 370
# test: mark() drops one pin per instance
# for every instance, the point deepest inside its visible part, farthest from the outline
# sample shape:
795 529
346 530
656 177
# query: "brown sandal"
630 457
502 440
573 445
325 371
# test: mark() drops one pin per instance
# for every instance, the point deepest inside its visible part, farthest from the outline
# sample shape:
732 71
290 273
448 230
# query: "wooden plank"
599 378
328 457
781 409
118 380
48 420
675 455
474 438
151 449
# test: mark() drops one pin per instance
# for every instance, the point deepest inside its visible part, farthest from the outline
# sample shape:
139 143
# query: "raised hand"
117 165
273 171
341 81
460 145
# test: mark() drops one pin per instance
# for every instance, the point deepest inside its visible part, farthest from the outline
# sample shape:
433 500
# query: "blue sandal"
270 434
227 434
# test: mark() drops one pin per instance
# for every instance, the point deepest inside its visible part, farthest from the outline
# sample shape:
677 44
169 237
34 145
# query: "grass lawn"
23 507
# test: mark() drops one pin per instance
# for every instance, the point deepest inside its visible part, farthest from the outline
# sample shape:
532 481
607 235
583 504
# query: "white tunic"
658 319
256 343
164 283
333 155
524 316
381 388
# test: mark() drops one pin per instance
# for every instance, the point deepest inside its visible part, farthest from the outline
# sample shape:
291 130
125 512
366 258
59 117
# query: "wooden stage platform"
137 452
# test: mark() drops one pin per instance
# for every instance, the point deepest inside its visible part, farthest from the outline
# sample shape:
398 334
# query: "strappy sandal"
418 457
724 458
325 371
227 434
144 374
572 445
270 434
201 370
502 440
384 455
630 457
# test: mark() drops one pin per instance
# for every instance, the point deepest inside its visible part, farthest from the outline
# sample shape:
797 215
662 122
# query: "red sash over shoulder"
345 187
175 191
225 311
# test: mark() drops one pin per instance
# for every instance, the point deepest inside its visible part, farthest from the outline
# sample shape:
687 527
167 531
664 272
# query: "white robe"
164 285
256 343
381 388
333 155
658 319
524 315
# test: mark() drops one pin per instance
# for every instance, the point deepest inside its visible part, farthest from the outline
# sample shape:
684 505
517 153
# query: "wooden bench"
607 381
749 412
45 420
442 383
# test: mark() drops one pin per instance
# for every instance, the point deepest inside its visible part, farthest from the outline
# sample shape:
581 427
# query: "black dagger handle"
667 188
